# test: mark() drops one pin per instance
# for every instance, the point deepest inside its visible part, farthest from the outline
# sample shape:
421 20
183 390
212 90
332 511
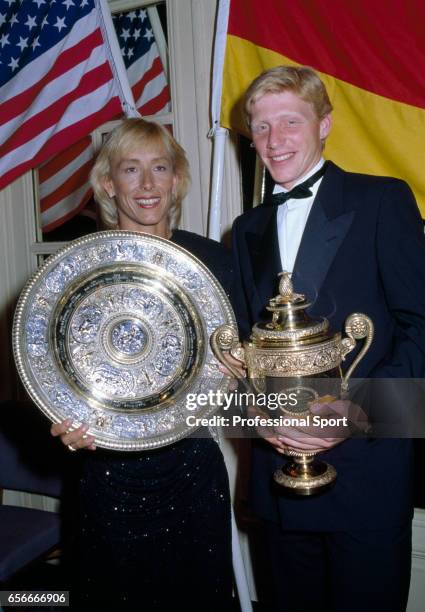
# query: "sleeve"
400 244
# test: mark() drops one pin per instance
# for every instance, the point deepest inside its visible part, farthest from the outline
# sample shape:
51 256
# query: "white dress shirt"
292 218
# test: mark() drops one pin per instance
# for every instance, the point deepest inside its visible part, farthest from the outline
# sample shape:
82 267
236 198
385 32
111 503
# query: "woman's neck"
162 230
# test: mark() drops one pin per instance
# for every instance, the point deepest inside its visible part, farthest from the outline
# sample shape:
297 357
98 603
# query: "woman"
153 527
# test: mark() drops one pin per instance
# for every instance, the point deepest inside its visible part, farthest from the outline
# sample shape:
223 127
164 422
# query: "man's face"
287 135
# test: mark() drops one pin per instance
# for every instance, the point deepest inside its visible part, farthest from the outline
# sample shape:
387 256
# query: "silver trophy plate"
113 330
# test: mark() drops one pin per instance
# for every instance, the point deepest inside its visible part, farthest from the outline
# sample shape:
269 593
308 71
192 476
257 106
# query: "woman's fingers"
73 438
235 364
57 429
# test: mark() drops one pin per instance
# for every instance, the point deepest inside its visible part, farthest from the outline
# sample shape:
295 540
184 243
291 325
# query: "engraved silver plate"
113 331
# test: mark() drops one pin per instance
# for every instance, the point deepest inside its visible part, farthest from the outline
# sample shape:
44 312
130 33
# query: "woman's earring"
252 145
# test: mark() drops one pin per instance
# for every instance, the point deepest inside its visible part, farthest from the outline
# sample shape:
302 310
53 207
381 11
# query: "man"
354 243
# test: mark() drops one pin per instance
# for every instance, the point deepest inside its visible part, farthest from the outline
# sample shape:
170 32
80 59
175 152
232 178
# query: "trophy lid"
290 322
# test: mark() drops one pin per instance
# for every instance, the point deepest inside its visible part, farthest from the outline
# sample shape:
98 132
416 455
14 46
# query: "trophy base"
306 476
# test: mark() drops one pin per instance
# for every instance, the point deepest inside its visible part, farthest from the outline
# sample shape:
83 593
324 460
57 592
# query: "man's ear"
108 186
325 126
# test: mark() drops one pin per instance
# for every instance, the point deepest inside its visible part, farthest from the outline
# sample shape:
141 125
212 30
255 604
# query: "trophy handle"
357 327
225 338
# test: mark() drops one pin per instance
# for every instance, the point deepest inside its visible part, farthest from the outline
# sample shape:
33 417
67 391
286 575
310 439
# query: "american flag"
63 180
141 57
56 82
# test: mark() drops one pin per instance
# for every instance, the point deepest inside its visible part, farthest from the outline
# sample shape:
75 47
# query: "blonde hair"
302 81
130 134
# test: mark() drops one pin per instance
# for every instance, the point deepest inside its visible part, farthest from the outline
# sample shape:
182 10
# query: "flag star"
132 15
35 43
14 19
123 51
68 3
83 3
142 14
39 2
125 34
130 52
10 2
31 22
2 18
23 42
148 34
60 23
44 22
4 40
13 63
136 34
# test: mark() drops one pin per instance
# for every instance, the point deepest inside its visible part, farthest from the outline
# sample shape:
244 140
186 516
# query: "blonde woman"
152 529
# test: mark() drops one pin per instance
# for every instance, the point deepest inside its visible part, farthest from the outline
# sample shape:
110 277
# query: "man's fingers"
300 444
353 413
310 444
277 445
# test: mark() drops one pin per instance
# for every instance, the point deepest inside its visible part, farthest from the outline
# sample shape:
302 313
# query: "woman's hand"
74 439
236 365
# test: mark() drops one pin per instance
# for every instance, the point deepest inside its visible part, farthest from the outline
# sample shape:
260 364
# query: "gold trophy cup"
286 354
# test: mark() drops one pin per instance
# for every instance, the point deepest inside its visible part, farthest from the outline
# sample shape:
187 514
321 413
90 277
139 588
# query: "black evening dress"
152 528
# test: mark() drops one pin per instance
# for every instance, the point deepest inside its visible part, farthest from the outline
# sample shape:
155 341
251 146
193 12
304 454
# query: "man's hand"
267 433
331 422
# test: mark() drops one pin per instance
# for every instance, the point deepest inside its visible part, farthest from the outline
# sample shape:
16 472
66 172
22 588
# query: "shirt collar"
279 189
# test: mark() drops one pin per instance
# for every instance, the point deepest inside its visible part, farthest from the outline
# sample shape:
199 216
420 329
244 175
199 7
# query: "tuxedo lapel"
326 228
263 248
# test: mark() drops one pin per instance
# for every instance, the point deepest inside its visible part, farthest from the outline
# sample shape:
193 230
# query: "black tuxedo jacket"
363 250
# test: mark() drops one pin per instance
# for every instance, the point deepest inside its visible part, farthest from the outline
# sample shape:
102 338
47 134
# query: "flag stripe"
368 44
65 210
94 101
73 182
157 104
28 76
71 158
57 85
50 117
154 71
56 90
141 65
385 131
58 141
151 90
69 61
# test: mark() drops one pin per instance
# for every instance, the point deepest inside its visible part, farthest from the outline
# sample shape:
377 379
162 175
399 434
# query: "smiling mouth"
147 202
279 158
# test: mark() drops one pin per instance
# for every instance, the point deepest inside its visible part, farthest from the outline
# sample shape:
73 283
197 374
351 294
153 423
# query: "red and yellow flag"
370 57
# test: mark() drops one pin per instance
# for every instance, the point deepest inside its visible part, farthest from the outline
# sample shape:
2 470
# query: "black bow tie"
299 191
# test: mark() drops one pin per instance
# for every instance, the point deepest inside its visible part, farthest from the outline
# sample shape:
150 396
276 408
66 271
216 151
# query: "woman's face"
142 180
